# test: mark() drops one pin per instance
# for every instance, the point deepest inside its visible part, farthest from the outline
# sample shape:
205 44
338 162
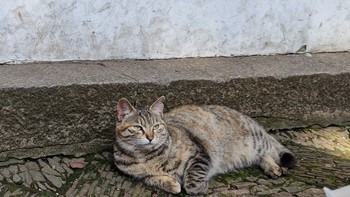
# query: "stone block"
69 107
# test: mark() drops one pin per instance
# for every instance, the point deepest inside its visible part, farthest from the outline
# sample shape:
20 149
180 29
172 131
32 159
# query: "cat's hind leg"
271 168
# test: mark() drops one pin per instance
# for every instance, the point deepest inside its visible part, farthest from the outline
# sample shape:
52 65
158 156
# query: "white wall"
41 30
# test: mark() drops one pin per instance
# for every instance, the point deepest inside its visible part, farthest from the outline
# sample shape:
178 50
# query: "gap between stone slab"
94 146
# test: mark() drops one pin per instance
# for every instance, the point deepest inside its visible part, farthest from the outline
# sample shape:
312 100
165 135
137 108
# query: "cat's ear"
124 109
158 106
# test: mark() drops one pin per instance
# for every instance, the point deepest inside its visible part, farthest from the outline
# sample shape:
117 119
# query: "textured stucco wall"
41 30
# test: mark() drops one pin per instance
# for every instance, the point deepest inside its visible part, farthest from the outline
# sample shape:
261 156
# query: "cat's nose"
150 137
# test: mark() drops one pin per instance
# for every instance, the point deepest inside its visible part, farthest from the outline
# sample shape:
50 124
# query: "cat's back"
214 122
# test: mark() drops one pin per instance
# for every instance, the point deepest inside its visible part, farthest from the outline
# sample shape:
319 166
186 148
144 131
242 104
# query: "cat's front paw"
196 188
166 183
172 186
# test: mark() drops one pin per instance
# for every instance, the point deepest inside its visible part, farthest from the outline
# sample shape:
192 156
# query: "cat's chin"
147 144
150 145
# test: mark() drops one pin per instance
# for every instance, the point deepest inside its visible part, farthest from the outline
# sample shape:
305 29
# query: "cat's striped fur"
190 144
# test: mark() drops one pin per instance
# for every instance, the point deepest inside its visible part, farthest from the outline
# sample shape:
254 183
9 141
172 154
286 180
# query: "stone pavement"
323 154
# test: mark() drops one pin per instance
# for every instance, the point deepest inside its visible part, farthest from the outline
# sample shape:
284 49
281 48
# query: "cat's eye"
137 128
156 126
134 129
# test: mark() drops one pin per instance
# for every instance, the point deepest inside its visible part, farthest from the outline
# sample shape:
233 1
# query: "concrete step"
69 107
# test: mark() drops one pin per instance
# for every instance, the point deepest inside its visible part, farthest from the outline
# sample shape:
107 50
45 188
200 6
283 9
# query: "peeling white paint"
41 30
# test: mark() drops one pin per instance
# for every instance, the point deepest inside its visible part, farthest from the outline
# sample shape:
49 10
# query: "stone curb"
69 107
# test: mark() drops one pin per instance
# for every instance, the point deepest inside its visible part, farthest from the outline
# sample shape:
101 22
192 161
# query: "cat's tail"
287 158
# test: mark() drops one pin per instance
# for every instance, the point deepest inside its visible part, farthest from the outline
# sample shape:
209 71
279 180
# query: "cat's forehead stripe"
146 118
141 119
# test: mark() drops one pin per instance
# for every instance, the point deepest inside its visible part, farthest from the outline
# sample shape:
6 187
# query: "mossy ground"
317 167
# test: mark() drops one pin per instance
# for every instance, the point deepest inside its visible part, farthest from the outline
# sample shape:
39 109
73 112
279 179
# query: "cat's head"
141 129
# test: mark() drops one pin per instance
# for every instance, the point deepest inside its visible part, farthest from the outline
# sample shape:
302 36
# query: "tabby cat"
188 145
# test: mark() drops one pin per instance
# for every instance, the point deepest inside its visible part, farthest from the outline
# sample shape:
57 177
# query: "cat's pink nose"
150 138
